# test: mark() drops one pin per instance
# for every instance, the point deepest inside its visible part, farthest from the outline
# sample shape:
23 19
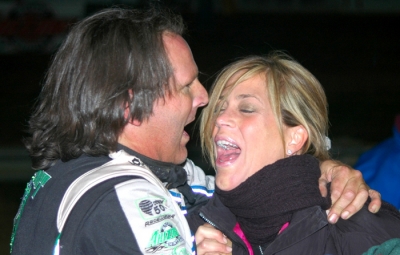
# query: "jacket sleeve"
203 187
364 229
132 218
390 247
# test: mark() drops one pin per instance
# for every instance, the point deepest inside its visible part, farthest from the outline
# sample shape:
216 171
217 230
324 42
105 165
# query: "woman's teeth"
226 145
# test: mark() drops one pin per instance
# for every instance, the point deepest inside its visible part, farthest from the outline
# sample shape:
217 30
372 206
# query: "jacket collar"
303 224
218 215
146 160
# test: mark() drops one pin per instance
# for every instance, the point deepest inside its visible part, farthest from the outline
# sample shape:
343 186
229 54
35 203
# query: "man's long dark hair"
112 60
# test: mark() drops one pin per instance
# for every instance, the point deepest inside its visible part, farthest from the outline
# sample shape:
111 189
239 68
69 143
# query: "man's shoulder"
133 212
41 200
75 167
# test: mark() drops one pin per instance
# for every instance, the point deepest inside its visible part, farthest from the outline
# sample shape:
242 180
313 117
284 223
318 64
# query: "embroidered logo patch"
146 206
38 181
152 207
166 238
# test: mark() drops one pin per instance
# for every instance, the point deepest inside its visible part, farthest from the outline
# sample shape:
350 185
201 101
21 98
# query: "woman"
265 132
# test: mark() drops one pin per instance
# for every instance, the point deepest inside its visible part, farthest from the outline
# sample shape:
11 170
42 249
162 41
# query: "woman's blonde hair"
296 97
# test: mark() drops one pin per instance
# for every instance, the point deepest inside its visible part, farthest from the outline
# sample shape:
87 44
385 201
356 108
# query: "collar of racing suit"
174 176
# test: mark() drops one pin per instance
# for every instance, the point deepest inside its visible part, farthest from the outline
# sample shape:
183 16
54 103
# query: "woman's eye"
247 110
219 110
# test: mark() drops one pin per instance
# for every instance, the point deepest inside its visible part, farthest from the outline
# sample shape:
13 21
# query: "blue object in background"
380 167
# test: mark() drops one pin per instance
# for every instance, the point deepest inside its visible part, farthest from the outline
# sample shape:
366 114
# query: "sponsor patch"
37 182
159 219
153 207
166 238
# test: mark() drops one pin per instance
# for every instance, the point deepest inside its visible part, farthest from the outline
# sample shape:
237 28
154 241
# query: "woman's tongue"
229 154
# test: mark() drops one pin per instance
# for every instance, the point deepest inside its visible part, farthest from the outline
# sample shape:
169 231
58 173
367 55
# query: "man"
123 80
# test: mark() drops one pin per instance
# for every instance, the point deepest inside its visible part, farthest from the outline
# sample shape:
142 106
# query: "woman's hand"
349 192
211 241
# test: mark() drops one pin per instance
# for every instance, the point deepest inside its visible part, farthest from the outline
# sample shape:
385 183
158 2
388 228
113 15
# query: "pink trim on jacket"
238 230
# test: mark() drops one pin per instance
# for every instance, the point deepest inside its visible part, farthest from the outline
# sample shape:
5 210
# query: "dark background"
355 56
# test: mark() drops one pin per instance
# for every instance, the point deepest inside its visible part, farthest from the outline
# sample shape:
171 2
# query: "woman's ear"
296 137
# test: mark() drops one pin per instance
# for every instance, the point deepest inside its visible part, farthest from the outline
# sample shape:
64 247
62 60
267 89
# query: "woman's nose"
225 118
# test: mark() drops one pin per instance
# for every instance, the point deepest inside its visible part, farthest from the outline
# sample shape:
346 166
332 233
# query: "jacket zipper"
207 220
215 226
261 251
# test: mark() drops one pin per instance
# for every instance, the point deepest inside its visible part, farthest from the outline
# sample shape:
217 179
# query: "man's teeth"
226 145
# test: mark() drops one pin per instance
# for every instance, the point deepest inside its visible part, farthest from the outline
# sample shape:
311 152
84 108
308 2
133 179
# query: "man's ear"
134 122
295 139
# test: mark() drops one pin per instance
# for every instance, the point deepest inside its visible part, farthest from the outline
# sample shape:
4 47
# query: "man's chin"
180 155
185 138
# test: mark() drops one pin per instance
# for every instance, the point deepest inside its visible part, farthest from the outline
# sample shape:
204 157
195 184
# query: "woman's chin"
225 183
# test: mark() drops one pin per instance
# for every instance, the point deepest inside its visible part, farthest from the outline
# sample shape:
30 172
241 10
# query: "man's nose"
201 98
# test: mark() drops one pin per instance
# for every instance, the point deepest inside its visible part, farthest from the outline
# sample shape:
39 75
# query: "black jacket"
98 224
310 233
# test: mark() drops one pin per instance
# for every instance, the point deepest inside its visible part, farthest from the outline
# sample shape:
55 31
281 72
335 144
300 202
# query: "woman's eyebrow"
244 96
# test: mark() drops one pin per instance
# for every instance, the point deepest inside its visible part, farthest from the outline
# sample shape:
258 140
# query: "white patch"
148 211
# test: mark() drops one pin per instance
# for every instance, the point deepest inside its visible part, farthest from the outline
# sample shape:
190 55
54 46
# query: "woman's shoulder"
365 229
388 217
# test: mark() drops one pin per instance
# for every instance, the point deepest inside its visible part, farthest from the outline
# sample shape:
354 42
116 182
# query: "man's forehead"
181 58
172 41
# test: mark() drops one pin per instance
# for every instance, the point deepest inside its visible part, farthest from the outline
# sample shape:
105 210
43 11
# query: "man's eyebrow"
193 78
